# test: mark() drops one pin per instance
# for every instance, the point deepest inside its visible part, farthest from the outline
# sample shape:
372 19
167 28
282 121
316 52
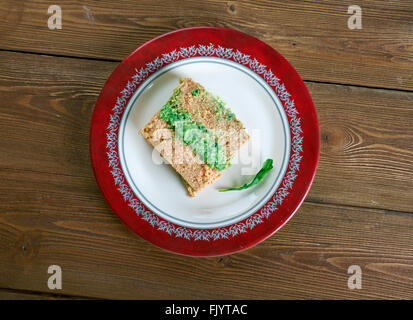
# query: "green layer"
202 141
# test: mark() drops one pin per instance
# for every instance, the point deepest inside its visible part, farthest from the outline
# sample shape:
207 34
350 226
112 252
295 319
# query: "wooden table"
358 212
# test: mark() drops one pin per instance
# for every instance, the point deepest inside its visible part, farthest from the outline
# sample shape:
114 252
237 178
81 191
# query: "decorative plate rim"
139 75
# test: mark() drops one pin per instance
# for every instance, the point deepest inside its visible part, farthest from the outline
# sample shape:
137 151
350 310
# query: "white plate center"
254 104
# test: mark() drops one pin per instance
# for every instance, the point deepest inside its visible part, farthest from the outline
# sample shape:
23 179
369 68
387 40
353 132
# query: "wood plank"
366 155
312 35
50 219
366 146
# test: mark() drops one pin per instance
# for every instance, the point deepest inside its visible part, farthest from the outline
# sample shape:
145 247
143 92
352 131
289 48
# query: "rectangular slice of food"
196 134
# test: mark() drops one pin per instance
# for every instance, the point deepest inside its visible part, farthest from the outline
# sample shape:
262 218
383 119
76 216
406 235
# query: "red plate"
221 46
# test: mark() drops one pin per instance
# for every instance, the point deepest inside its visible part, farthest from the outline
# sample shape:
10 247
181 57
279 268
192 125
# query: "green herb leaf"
195 92
267 166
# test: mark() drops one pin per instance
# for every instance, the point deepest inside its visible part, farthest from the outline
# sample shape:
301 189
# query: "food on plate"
196 134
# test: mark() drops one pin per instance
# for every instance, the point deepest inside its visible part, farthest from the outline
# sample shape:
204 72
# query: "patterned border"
223 232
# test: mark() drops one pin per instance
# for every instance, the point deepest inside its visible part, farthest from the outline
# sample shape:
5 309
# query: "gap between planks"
14 294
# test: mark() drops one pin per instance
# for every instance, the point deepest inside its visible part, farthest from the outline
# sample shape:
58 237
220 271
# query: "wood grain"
366 156
53 219
312 35
366 148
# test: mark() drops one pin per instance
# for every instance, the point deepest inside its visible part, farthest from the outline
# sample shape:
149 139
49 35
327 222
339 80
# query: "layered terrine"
196 133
